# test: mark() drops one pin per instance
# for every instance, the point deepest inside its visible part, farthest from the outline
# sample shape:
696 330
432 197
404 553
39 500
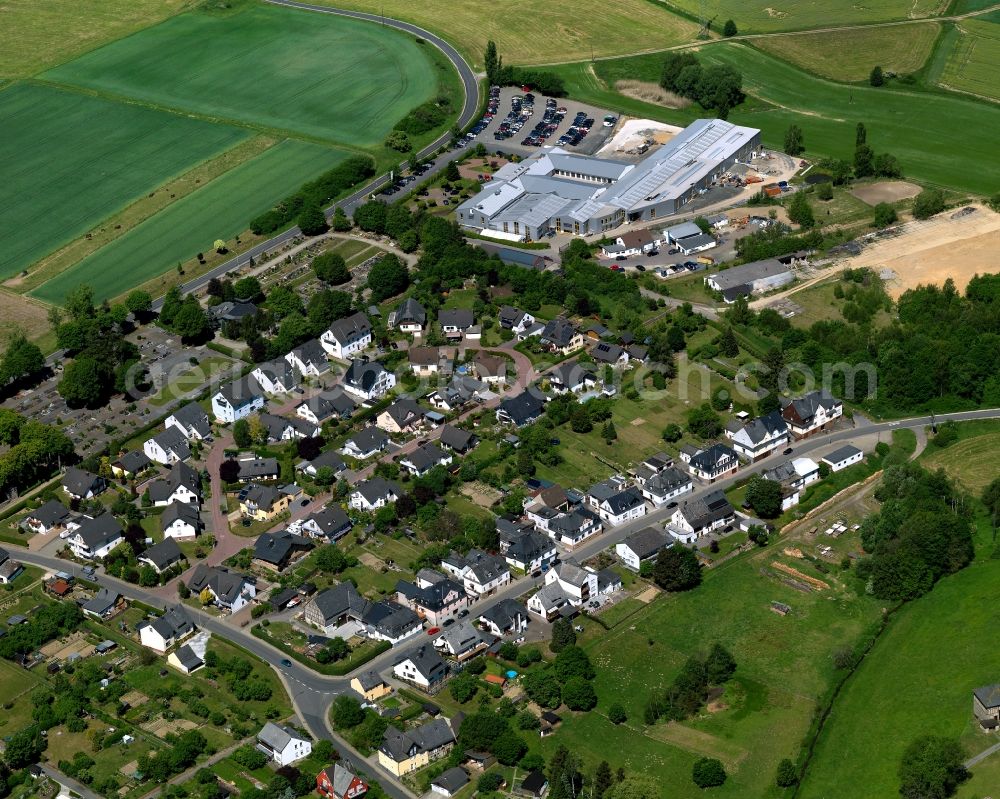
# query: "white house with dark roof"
131 464
579 584
237 400
229 590
530 552
181 520
809 414
276 377
408 317
373 493
330 459
642 546
165 631
794 473
52 515
368 380
616 503
711 463
455 322
9 568
461 641
309 359
759 437
423 667
424 458
605 352
347 337
521 410
330 524
283 744
95 538
79 484
571 376
333 404
514 319
665 486
163 555
480 573
506 617
182 484
168 447
192 421
366 443
575 526
699 516
842 457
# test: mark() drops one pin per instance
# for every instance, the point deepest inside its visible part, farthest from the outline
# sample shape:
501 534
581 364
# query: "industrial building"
555 190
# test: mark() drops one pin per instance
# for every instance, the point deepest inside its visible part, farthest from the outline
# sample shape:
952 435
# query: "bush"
928 203
729 29
617 714
490 781
885 215
786 775
824 191
708 773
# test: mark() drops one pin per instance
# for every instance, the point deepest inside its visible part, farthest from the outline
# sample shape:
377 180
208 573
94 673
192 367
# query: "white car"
65 534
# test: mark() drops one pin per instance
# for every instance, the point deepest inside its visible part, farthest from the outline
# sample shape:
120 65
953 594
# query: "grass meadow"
540 33
316 75
971 461
58 183
766 16
850 55
974 62
219 210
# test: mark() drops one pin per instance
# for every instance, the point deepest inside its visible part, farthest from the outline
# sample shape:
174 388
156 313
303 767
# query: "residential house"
712 463
986 703
333 607
231 311
514 319
229 590
185 660
168 447
450 782
665 486
579 585
408 317
370 685
457 440
455 322
534 785
131 464
521 410
506 617
9 568
95 538
347 337
277 377
461 641
842 457
329 525
254 468
697 517
550 602
423 667
283 744
481 573
390 621
237 400
809 414
162 556
424 458
281 429
795 473
192 421
424 361
334 404
103 605
491 369
264 503
182 484
181 520
405 752
604 352
571 376
79 484
574 526
164 631
340 782
642 546
52 515
759 437
373 493
615 503
434 601
403 416
309 359
462 390
366 443
277 550
560 335
368 380
633 242
531 552
637 353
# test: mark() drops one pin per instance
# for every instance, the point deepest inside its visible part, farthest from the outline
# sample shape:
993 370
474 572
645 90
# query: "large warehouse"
558 190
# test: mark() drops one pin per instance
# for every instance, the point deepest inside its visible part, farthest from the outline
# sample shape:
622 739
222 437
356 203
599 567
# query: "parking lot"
520 122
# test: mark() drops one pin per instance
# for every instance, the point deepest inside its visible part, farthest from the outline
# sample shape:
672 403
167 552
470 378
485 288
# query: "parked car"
286 663
434 631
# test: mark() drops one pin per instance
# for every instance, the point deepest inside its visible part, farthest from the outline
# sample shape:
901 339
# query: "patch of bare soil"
650 92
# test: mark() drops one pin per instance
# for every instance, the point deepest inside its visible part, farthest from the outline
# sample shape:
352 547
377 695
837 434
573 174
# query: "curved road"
470 107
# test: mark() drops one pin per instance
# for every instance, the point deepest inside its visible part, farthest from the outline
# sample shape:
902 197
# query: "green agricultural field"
540 33
784 667
765 16
220 210
317 75
908 124
974 62
849 55
58 183
936 650
35 36
971 461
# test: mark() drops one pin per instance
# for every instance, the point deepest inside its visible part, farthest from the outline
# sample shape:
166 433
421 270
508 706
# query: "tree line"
718 87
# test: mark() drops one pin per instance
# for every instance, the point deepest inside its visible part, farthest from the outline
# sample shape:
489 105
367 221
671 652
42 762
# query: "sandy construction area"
886 191
931 251
634 132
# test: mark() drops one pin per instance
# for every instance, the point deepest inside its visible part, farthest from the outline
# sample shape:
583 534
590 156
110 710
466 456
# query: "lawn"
971 461
908 124
318 75
850 55
974 62
59 184
534 33
784 669
763 16
191 379
219 210
916 658
39 35
17 684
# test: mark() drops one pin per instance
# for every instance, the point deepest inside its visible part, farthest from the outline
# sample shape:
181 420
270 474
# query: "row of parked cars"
578 130
551 120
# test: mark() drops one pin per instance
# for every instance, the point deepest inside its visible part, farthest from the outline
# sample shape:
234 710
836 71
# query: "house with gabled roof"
163 632
405 752
192 421
531 552
711 463
79 484
331 608
462 390
389 621
455 322
605 352
457 440
366 443
329 524
309 359
506 617
370 685
185 659
491 369
228 589
436 601
641 546
182 484
408 317
514 319
616 503
571 376
283 744
9 568
665 486
424 458
340 782
403 416
181 520
348 336
368 380
520 410
168 447
237 400
277 377
131 464
333 404
758 437
461 641
162 556
95 538
481 573
275 551
561 335
422 667
424 360
330 459
550 602
373 493
52 515
808 415
700 516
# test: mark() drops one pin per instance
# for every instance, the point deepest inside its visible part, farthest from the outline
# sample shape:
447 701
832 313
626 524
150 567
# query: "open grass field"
219 210
974 62
971 461
317 75
849 55
36 35
918 680
765 16
540 33
784 666
58 184
21 315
